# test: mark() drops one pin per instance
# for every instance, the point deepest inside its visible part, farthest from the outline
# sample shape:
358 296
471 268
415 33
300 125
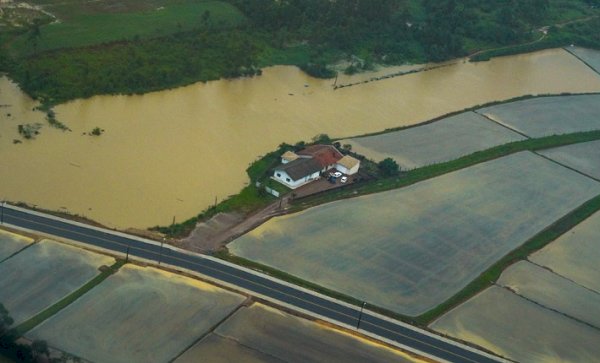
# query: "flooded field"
546 116
443 140
169 154
11 243
553 291
584 157
575 254
589 56
44 273
519 329
263 334
137 315
402 250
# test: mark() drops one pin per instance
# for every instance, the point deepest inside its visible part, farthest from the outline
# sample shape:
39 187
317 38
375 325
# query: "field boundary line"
581 60
563 277
563 165
499 123
547 307
19 251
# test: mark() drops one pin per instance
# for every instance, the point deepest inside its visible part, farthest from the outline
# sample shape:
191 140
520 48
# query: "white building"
298 172
348 165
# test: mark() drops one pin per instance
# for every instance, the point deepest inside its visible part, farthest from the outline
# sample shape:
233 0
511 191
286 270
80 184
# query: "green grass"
67 300
88 29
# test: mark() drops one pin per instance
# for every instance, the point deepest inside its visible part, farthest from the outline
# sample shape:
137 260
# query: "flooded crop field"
11 243
44 273
137 315
553 291
589 56
546 116
575 254
443 140
263 334
521 330
168 154
584 157
402 250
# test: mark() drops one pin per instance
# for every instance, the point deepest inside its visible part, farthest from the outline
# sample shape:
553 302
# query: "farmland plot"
553 291
11 243
402 249
443 140
519 329
589 56
271 335
546 116
137 315
44 273
575 254
584 157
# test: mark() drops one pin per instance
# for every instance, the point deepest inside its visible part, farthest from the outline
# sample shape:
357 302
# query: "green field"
521 330
83 25
402 250
545 116
439 141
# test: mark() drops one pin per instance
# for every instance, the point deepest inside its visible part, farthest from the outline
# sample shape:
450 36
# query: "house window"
279 175
287 180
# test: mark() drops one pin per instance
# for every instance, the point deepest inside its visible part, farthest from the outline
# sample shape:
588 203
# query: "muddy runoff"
168 155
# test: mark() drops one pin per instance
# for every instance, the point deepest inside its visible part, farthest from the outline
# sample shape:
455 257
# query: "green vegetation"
491 275
64 302
388 167
111 47
9 347
29 131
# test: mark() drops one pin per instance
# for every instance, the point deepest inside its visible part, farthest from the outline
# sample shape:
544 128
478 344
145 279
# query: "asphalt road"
408 336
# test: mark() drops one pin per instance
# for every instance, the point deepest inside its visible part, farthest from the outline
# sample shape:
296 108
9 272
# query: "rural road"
337 312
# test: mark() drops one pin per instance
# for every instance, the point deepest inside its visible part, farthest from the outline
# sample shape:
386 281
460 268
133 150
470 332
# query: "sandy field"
553 291
546 116
137 315
43 274
169 154
263 334
575 254
584 157
402 250
11 243
444 140
520 330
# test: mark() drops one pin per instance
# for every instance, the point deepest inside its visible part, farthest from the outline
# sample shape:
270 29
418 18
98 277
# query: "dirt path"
214 234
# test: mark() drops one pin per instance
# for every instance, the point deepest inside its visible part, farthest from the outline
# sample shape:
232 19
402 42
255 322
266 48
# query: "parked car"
337 174
344 179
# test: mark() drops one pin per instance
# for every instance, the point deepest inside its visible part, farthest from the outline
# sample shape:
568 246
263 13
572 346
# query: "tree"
34 33
5 320
39 348
388 167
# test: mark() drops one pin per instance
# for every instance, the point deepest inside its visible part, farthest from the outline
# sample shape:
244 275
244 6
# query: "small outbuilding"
348 165
288 156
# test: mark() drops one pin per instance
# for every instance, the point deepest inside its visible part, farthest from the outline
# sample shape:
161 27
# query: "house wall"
346 171
286 180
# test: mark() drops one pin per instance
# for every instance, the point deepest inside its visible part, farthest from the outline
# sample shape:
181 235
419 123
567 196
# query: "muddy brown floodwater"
170 153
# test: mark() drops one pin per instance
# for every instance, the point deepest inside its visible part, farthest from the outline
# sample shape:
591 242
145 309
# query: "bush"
388 167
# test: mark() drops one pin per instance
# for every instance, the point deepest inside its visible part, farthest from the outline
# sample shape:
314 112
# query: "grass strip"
67 300
537 242
431 171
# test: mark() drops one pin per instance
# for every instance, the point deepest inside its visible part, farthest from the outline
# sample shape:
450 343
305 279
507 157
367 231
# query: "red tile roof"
325 154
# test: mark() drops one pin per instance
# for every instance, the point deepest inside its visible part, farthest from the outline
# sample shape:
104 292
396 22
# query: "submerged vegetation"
168 44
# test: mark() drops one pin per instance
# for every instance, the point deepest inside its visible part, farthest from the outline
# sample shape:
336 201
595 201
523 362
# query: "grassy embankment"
64 302
487 277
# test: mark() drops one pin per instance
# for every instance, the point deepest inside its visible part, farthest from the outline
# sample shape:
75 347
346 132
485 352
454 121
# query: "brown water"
169 154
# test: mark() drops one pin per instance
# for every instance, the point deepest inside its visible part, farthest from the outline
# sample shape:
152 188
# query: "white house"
298 172
348 165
